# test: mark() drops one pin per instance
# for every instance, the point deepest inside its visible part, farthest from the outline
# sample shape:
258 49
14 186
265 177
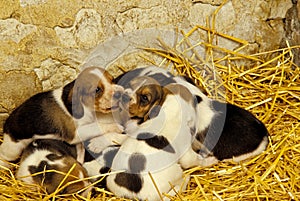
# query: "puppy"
233 134
159 145
67 113
47 162
223 131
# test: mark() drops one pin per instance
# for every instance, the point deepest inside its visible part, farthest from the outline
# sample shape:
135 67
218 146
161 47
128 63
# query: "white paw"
98 144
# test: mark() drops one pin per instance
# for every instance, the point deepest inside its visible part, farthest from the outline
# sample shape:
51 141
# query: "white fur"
10 150
205 113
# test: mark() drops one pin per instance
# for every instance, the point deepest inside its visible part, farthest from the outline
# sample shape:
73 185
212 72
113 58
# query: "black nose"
125 98
117 95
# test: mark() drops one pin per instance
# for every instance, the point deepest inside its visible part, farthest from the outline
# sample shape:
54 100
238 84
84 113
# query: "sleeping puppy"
157 148
223 131
67 113
233 134
47 162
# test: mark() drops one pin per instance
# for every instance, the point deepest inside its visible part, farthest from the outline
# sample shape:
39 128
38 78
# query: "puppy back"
41 115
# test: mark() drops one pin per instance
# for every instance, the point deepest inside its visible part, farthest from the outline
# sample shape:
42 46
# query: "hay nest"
268 85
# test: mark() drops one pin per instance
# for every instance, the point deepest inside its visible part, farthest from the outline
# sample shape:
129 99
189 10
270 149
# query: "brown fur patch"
51 180
148 93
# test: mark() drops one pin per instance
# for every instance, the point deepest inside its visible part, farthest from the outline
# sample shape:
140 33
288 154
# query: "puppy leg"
192 159
10 150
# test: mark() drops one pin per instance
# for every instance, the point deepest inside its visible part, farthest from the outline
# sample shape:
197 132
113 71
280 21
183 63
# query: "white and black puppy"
67 113
159 142
47 162
224 131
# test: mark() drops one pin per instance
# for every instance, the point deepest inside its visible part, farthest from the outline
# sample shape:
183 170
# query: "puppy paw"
98 144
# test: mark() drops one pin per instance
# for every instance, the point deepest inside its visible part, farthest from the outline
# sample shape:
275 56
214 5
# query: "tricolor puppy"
67 113
158 146
223 131
47 162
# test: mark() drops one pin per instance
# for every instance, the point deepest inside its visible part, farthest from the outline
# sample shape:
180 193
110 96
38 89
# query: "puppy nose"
117 95
125 98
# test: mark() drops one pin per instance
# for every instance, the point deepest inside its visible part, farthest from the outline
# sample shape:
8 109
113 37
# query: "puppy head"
142 98
93 89
60 173
52 165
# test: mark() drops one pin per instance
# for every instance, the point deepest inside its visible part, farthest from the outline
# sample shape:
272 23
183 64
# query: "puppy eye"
98 90
144 99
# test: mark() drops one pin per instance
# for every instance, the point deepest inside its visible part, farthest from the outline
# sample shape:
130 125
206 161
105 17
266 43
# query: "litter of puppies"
270 90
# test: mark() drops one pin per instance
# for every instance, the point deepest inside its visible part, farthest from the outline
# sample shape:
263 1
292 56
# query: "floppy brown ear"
75 98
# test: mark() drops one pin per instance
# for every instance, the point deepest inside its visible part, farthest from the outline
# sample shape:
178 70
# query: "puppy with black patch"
47 162
157 147
224 131
67 113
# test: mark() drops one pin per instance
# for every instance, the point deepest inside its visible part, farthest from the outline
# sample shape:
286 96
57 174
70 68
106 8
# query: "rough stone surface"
15 87
85 32
44 44
15 31
292 27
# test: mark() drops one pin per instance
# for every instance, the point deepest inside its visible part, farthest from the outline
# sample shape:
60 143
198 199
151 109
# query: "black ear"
77 107
154 111
71 98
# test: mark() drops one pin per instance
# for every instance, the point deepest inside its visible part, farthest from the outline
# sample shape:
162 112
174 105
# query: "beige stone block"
85 32
15 88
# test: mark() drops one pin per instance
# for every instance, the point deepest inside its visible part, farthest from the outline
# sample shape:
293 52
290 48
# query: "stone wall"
43 43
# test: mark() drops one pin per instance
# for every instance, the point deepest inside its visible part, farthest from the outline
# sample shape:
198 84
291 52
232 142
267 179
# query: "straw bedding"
267 84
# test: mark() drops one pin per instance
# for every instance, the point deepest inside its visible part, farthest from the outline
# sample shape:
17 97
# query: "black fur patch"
28 119
132 182
137 163
154 111
162 79
65 96
104 170
189 80
40 168
198 99
125 78
156 141
110 155
145 136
